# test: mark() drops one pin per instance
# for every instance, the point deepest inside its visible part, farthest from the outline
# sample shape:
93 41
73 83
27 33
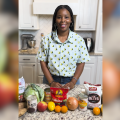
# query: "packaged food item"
31 103
59 95
82 101
21 89
94 95
47 95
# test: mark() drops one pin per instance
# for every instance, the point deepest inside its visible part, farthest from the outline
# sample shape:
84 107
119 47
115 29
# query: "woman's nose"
62 19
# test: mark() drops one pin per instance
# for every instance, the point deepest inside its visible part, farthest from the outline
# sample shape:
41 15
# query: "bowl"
32 43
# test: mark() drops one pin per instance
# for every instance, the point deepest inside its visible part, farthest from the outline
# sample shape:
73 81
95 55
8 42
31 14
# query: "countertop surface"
35 50
70 115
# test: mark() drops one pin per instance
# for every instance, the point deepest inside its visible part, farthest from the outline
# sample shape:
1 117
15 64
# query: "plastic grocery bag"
21 89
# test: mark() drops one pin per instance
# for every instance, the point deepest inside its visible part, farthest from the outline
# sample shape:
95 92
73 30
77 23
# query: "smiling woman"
63 58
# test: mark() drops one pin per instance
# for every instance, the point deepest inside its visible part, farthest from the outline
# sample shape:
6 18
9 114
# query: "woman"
62 53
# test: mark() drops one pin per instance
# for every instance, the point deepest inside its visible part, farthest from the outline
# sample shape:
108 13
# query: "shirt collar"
69 39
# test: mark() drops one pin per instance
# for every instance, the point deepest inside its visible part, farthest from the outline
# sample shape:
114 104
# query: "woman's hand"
69 85
56 84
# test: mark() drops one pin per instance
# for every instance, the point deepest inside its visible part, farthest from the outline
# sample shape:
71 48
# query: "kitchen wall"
45 22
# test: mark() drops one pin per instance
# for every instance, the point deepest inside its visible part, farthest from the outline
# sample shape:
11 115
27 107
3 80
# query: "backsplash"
45 22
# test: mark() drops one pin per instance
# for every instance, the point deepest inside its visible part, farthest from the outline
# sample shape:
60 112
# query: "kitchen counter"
70 115
35 50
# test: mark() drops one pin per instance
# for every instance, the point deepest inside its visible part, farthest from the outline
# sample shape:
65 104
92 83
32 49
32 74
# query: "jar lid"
82 96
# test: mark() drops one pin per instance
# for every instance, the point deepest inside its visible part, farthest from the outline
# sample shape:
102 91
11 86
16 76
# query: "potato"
22 105
22 111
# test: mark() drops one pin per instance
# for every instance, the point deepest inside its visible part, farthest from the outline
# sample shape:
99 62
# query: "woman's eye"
66 17
58 17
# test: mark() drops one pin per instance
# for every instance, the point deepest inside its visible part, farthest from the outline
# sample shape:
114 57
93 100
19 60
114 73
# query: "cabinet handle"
79 26
26 59
32 26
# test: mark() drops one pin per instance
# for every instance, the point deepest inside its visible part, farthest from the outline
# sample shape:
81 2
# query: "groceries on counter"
31 103
21 89
42 106
72 103
33 89
55 99
51 106
59 95
94 95
47 95
22 111
82 101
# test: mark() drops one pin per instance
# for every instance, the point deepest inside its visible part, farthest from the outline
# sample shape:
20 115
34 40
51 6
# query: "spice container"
31 103
82 101
47 95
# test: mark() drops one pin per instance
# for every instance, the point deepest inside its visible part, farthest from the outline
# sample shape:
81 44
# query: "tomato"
7 90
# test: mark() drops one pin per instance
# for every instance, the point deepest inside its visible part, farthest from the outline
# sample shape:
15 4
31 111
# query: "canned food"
31 103
47 94
82 101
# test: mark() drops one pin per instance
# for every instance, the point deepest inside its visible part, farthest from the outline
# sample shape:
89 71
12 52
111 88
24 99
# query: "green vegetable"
33 89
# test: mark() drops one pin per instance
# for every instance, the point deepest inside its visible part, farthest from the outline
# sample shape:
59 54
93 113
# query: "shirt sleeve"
42 53
83 52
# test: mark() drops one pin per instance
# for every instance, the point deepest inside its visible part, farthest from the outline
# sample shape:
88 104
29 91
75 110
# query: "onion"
111 82
72 103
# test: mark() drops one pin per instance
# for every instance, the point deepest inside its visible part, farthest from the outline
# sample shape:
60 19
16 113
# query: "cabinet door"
40 80
86 20
28 71
98 42
88 74
26 18
39 69
99 71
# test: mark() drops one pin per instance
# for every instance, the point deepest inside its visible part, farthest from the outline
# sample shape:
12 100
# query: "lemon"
102 108
51 106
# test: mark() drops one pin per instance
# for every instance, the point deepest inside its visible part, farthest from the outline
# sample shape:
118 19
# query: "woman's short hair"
55 14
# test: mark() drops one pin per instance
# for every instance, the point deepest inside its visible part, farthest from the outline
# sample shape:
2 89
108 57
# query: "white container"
82 102
31 103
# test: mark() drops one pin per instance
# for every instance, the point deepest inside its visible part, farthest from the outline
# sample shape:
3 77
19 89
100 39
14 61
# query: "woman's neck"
63 35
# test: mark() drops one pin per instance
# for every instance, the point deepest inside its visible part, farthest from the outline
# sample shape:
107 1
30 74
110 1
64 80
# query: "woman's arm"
48 75
78 72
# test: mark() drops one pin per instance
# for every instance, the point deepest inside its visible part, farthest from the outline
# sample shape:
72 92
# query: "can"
47 95
82 101
31 103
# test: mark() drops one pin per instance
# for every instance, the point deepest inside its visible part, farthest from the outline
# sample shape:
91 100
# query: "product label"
93 98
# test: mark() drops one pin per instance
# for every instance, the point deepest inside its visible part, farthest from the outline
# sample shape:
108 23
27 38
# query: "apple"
42 106
7 89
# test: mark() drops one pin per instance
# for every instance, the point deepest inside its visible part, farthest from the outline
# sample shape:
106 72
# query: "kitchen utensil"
25 38
32 43
89 44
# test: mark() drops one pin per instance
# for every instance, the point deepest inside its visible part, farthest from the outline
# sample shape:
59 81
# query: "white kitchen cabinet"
40 79
92 72
89 71
27 20
86 19
99 70
98 35
39 73
27 68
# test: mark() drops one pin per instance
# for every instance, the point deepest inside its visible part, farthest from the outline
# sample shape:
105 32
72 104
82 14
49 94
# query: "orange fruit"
57 108
64 109
96 110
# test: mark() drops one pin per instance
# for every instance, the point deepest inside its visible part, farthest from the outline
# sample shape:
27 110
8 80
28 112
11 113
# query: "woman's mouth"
62 26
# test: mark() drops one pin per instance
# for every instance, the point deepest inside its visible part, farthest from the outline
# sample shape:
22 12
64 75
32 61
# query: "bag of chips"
59 95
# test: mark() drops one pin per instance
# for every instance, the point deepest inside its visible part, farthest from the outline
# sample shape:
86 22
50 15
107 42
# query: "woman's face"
63 20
